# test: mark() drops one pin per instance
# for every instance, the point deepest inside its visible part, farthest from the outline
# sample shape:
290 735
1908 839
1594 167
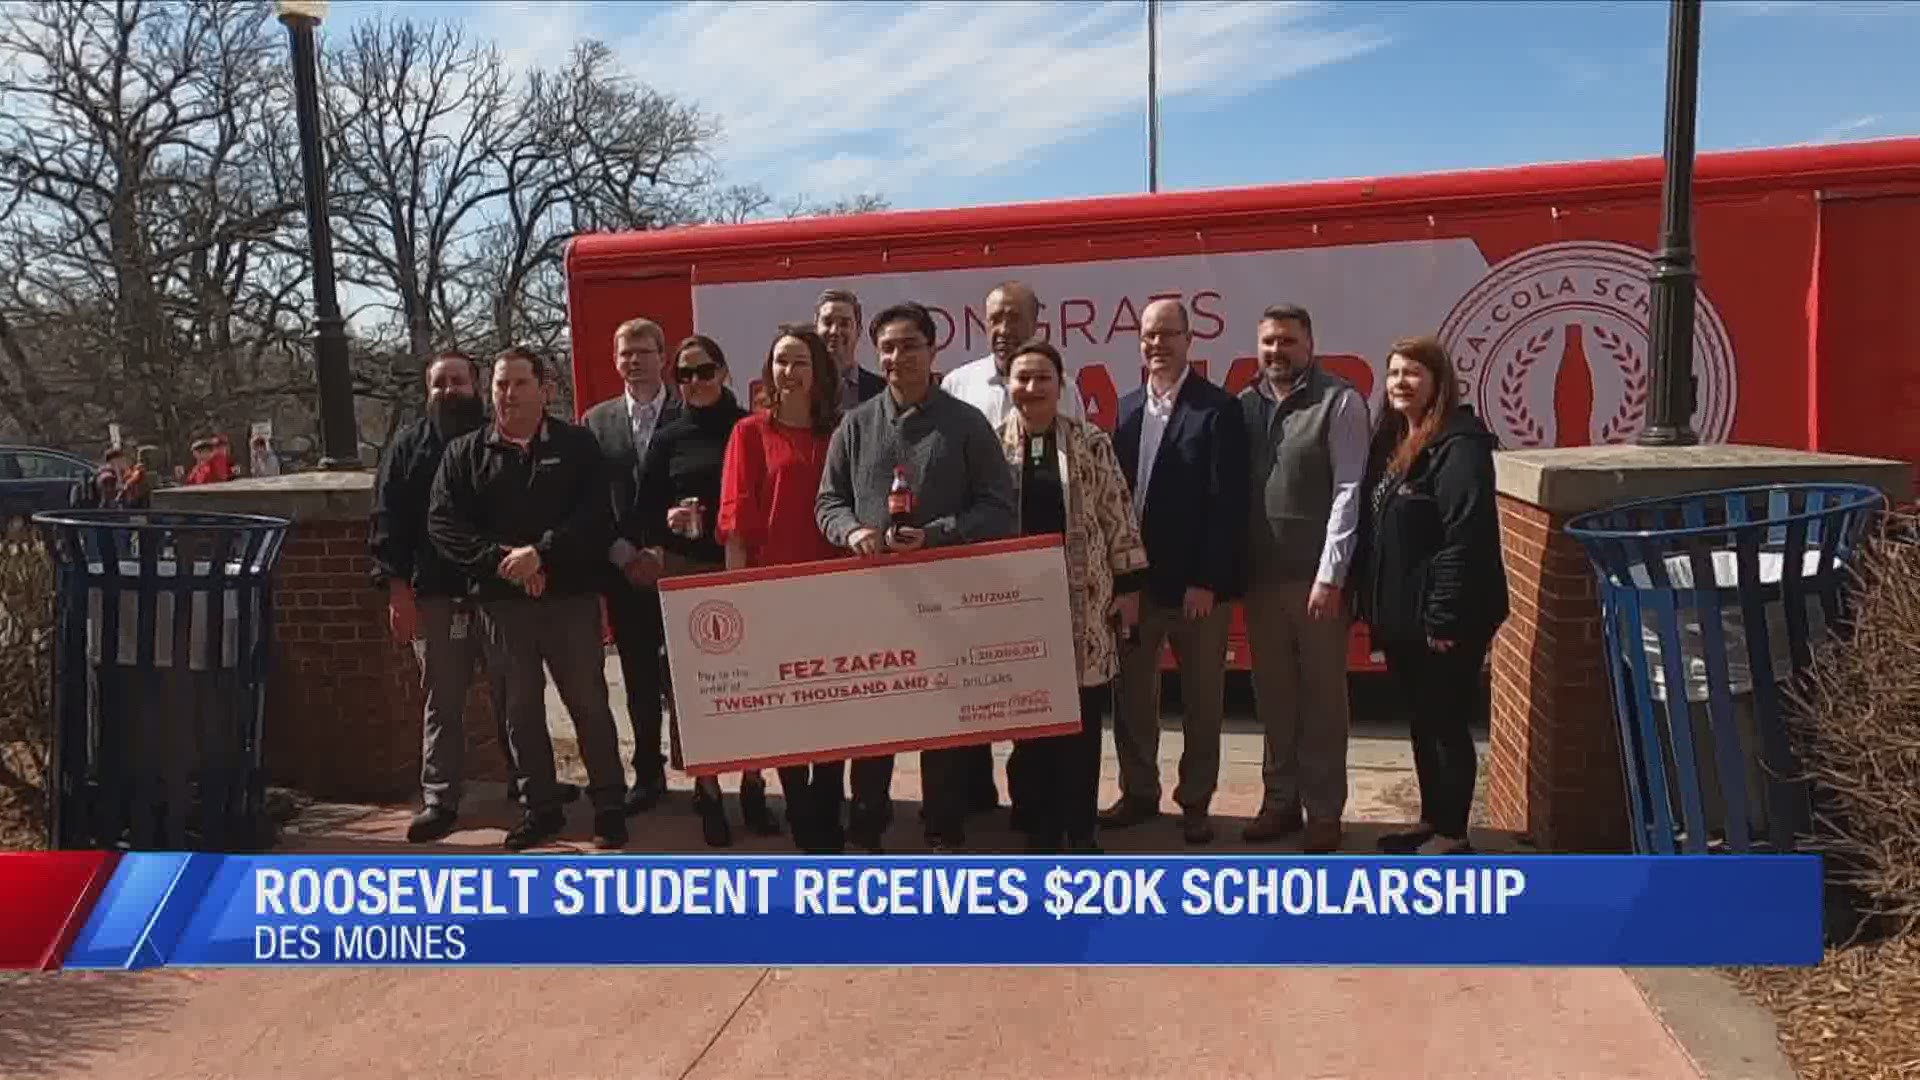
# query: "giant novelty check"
855 658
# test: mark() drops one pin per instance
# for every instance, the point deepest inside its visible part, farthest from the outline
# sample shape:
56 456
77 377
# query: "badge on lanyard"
457 630
1037 450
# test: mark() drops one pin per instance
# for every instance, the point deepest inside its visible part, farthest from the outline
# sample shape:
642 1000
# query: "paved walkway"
896 1023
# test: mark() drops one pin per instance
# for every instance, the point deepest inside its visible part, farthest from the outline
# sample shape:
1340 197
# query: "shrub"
1855 726
26 686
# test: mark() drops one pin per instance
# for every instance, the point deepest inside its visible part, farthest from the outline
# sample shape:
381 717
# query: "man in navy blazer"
1182 443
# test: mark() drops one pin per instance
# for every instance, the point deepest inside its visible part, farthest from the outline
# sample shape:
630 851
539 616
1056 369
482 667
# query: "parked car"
34 478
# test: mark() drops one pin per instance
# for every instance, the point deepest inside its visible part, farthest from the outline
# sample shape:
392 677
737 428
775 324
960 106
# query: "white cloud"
1846 128
832 99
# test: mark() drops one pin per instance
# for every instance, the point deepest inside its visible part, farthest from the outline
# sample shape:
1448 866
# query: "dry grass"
26 687
1856 730
1855 1017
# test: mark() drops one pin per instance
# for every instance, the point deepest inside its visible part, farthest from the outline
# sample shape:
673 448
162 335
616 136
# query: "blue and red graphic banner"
142 910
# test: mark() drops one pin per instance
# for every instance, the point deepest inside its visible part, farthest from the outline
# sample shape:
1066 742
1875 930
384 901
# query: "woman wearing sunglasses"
766 519
680 494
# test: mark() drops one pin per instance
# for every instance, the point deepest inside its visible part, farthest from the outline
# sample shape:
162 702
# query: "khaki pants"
1300 698
1201 650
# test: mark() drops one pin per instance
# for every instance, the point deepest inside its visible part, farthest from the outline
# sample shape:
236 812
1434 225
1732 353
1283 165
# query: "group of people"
498 540
126 483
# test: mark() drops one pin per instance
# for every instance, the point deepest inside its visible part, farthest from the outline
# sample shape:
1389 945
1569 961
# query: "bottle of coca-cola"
899 502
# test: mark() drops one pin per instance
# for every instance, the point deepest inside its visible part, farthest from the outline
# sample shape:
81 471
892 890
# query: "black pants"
983 793
872 782
946 777
814 794
1060 778
639 635
1439 693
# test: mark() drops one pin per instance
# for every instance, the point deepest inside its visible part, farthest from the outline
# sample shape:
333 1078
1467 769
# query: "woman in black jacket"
1432 586
679 499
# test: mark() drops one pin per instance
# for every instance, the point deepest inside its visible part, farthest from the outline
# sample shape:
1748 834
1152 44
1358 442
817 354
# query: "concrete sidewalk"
901 1023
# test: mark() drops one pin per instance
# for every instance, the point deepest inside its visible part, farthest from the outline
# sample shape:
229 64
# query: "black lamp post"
1153 95
1670 393
339 430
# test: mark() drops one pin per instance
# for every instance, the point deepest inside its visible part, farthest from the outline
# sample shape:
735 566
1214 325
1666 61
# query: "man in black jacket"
624 428
521 507
1182 445
427 604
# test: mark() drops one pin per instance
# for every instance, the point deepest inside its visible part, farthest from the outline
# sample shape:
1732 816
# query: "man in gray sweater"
962 494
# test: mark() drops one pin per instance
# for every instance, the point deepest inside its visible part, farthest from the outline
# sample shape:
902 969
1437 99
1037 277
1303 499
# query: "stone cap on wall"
1574 480
306 496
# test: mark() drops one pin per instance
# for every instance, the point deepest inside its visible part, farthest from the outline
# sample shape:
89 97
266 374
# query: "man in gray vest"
1308 432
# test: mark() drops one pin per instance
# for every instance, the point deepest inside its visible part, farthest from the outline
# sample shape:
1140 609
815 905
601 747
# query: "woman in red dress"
767 490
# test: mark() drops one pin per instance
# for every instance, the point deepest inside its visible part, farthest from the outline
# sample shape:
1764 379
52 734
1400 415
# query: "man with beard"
1308 433
427 603
836 318
521 506
1012 317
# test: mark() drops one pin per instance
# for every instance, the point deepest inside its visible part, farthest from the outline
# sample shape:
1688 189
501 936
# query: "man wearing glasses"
963 494
624 426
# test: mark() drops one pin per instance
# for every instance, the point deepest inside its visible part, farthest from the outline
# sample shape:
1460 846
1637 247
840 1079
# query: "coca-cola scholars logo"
716 627
1551 348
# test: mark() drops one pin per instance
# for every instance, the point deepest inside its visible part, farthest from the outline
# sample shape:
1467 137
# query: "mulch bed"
1855 1017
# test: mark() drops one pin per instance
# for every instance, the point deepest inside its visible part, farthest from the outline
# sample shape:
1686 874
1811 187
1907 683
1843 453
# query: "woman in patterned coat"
1067 480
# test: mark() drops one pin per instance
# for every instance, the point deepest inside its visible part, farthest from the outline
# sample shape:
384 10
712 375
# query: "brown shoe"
1272 825
1127 812
1196 827
1322 838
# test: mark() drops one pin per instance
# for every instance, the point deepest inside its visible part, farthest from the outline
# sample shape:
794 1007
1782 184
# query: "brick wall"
1553 767
343 703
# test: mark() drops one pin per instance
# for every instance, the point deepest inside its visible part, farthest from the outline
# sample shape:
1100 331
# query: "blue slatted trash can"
163 623
1713 604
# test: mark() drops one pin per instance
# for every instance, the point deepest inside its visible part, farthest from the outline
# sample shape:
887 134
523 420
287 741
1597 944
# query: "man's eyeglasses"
688 373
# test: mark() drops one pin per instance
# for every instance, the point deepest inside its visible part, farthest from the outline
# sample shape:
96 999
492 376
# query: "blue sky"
952 104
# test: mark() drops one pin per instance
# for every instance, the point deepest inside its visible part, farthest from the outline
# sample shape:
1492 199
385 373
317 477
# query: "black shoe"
945 846
713 823
646 794
569 793
430 824
534 830
753 810
1016 818
1404 843
1127 812
984 801
1083 846
1043 845
610 829
1196 827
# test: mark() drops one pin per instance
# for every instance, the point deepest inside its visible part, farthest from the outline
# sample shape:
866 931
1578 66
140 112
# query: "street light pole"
339 430
1153 95
1671 389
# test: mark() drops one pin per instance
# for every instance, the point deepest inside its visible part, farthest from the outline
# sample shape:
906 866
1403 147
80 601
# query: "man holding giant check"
927 649
959 491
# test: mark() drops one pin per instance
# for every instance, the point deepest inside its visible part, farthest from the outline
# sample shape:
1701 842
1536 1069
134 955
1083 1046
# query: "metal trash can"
1713 603
164 622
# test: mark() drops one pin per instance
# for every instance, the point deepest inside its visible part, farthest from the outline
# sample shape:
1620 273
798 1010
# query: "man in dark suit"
1182 443
624 426
836 318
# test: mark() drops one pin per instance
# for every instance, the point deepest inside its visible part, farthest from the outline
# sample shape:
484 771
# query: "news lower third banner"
148 910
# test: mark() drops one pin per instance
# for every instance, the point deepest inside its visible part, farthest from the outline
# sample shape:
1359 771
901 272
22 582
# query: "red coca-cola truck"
1535 278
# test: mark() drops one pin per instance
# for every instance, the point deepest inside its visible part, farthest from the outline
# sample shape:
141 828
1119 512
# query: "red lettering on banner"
1200 313
1100 396
1241 374
1123 310
1068 323
1355 369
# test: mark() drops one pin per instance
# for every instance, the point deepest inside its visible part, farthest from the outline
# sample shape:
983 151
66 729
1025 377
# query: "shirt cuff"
621 552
